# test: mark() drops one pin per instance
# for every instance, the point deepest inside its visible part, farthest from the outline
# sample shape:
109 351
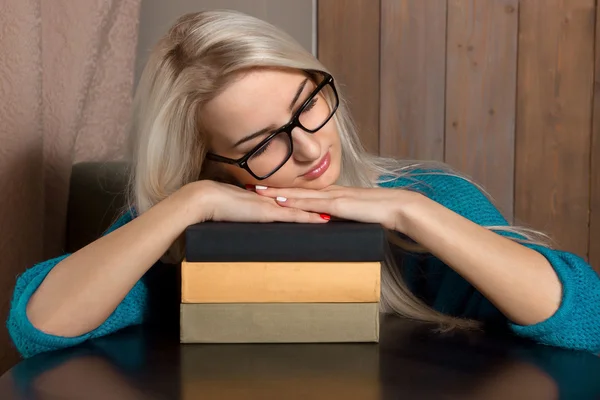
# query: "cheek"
330 132
282 178
285 177
237 173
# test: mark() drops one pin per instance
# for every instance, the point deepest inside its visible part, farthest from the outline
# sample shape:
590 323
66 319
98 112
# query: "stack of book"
281 282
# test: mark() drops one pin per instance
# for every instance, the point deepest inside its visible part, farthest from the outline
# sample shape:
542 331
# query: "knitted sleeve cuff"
576 323
27 338
30 341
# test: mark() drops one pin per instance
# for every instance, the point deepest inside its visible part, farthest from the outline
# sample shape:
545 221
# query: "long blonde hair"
188 67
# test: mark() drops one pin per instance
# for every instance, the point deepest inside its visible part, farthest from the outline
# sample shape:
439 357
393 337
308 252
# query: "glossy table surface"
411 361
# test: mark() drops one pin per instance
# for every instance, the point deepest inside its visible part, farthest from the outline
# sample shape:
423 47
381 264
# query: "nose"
306 146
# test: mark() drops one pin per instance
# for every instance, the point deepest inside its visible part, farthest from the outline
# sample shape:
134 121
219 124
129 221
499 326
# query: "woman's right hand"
218 201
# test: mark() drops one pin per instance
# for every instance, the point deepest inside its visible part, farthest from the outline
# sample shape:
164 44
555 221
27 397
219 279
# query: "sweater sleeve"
30 341
576 324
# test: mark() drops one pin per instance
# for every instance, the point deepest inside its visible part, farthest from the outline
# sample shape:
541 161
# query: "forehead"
253 101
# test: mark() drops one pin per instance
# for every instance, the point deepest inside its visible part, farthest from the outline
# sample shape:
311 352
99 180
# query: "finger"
332 188
299 216
265 199
321 206
296 193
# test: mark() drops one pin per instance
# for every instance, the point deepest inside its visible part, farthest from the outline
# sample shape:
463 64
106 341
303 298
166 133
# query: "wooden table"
410 362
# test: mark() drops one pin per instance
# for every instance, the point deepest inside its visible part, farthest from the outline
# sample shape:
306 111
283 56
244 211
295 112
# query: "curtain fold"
66 83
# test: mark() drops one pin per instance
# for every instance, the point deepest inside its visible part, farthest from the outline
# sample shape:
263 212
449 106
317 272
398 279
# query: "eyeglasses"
275 150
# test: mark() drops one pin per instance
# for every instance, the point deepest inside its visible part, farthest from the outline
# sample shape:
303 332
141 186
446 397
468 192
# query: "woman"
234 121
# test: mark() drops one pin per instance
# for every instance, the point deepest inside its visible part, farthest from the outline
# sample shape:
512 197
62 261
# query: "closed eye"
262 149
310 105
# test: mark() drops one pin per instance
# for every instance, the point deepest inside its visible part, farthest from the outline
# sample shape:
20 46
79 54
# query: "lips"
320 168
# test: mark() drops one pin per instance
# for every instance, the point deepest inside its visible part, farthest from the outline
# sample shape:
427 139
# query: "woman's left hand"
369 205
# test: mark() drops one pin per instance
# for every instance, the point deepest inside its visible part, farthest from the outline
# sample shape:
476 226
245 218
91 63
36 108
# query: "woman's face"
258 103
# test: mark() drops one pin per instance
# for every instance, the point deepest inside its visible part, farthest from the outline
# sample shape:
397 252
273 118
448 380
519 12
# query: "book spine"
202 246
279 323
335 282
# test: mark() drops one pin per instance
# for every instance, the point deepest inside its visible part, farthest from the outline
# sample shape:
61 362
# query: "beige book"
279 322
280 282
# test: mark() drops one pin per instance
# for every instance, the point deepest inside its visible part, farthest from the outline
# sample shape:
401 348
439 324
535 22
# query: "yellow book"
280 282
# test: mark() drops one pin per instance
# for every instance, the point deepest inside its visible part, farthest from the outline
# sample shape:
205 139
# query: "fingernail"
259 187
249 187
326 217
281 199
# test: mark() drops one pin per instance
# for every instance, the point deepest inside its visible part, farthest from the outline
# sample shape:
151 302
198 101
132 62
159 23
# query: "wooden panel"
413 54
554 105
594 243
481 94
348 45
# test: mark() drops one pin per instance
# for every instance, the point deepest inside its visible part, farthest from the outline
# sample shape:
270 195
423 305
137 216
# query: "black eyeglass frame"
287 128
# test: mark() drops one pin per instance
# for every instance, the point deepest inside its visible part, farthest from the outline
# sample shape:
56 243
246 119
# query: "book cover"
244 242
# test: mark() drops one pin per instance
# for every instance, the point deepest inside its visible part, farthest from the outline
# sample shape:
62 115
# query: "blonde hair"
189 66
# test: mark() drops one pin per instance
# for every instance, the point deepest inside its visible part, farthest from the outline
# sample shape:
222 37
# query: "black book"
336 241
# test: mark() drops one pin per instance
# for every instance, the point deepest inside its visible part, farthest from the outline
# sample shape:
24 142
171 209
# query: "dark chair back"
96 197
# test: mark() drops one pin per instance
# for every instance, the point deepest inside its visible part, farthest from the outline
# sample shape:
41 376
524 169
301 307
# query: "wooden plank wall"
505 91
480 96
594 242
417 28
554 112
355 65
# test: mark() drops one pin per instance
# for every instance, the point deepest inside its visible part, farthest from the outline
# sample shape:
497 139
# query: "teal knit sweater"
576 324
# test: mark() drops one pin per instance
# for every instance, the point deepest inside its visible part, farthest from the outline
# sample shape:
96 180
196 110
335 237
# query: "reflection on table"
411 361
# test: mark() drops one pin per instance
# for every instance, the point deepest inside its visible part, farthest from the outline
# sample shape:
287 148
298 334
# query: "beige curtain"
66 78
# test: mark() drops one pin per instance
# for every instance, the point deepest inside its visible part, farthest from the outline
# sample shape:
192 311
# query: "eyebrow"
271 127
298 93
254 135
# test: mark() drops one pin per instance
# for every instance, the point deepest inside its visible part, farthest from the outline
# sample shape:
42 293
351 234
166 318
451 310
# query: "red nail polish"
250 187
326 217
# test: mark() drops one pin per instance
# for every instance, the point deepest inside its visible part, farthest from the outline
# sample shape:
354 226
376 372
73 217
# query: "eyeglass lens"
273 154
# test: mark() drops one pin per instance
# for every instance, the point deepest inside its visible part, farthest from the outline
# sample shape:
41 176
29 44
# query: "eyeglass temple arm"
215 157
